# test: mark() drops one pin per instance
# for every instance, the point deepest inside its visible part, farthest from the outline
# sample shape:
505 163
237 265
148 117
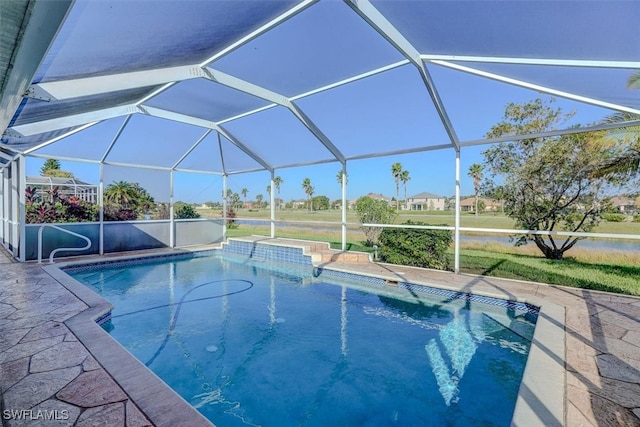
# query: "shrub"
636 218
612 217
231 223
376 212
415 247
186 212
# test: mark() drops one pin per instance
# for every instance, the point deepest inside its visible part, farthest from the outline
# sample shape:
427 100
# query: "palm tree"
339 177
244 192
404 177
120 193
259 200
308 189
396 171
277 182
475 172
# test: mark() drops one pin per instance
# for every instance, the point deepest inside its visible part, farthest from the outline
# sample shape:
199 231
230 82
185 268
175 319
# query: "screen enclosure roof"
229 86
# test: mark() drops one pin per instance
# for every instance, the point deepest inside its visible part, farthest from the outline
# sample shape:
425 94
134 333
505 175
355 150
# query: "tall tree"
51 167
259 198
244 192
405 178
339 176
396 171
308 190
277 182
475 172
49 164
546 183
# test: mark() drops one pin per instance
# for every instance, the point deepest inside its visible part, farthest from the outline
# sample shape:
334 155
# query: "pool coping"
159 402
541 399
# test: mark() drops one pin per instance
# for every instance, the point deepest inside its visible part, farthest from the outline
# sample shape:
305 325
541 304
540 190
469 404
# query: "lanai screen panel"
277 136
33 141
90 144
380 114
601 84
323 44
154 142
475 103
104 37
206 100
580 29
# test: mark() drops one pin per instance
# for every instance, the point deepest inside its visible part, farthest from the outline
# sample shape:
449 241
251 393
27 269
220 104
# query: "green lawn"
613 271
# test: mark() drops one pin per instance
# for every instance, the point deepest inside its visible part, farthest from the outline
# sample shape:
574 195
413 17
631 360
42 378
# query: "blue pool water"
250 345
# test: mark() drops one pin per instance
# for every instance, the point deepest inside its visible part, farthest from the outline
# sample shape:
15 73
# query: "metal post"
343 226
224 207
172 230
101 208
273 203
456 231
22 179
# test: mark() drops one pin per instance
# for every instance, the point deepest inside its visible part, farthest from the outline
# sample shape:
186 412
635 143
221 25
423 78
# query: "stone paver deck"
46 370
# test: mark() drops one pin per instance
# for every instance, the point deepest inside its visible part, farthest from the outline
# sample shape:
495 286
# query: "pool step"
347 257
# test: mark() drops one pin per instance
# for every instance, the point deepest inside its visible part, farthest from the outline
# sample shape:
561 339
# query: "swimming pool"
250 345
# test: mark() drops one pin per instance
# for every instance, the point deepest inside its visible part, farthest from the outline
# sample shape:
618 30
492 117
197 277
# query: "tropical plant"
396 172
475 172
308 190
259 198
130 198
547 183
56 207
371 211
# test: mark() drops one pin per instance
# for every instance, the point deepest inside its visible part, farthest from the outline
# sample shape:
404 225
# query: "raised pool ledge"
542 395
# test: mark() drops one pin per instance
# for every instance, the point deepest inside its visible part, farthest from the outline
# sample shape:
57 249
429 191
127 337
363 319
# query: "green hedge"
415 247
611 217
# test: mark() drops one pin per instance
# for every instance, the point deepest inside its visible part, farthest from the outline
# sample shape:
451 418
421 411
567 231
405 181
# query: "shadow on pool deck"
45 366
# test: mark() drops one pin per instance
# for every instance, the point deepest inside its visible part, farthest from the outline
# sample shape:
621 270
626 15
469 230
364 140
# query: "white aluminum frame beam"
536 87
74 88
74 120
534 61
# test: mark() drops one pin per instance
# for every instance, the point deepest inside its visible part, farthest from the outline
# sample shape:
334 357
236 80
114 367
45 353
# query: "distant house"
624 204
424 202
64 186
468 204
